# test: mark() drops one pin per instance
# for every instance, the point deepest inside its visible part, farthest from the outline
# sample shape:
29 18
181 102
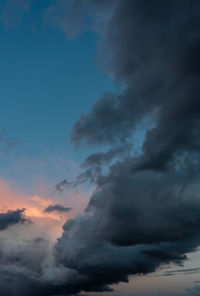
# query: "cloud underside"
145 210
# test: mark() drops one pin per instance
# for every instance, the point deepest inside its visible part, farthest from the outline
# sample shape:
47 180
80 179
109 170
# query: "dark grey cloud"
11 218
104 158
144 212
133 224
62 185
58 208
159 75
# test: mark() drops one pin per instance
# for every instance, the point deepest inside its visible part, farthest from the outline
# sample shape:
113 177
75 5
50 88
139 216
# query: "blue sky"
47 81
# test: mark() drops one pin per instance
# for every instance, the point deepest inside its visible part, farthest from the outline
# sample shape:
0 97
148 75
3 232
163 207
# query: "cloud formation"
184 271
144 212
57 207
11 218
61 185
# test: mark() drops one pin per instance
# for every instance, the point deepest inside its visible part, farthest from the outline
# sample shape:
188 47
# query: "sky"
99 147
40 71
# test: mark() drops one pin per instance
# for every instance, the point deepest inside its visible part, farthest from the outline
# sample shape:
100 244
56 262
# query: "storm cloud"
153 51
145 208
11 218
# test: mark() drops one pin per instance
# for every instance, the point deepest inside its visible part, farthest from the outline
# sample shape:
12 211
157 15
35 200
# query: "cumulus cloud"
160 79
144 212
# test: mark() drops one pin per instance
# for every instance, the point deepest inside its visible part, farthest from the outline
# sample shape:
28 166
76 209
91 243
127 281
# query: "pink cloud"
50 223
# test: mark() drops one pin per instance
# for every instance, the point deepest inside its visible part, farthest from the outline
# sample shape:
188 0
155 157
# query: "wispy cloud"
57 208
181 271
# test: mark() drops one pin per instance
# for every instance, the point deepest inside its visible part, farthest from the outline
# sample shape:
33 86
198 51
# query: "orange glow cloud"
35 205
